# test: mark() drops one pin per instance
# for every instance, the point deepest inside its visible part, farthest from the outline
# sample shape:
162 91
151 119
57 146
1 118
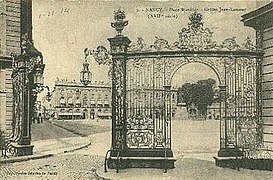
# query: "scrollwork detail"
195 38
102 56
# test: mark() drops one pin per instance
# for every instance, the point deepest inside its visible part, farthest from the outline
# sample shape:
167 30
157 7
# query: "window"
62 102
93 103
78 102
62 92
70 101
85 102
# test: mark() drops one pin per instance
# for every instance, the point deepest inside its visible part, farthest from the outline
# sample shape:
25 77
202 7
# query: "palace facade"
76 100
83 99
73 100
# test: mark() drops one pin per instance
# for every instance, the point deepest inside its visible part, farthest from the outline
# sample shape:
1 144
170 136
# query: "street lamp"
38 78
48 97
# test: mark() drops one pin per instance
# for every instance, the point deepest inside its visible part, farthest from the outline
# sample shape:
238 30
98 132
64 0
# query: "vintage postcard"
93 89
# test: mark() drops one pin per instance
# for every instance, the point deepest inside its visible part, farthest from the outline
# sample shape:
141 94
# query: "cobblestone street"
80 164
66 166
195 143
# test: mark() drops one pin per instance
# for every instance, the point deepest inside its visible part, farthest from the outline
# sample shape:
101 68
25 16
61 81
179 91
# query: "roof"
260 16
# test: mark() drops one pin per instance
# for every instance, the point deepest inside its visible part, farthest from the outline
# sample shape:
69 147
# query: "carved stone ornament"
28 48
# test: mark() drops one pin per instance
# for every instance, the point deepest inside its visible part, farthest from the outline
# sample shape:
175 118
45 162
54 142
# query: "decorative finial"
86 52
119 23
196 20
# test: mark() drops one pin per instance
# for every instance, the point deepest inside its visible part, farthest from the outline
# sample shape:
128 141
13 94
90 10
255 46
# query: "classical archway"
195 128
141 92
216 75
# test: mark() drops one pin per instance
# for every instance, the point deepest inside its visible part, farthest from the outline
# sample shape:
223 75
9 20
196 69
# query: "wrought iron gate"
142 96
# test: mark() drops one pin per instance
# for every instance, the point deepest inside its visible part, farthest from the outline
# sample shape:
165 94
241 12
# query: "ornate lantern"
38 78
85 73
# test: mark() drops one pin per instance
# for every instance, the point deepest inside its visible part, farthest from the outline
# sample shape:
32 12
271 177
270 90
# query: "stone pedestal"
230 152
140 158
23 150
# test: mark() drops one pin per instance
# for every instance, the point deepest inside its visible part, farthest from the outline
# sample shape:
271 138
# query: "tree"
185 95
201 94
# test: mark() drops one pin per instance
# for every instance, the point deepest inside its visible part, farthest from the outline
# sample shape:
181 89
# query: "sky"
62 29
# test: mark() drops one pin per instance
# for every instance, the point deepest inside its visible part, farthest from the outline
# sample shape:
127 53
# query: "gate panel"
242 107
147 108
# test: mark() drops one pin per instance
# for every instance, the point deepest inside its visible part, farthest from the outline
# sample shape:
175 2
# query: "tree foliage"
200 94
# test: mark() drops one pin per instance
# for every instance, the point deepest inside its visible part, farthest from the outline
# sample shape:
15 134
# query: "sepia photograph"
136 89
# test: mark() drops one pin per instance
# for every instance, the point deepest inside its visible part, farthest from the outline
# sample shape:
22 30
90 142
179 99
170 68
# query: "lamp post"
48 98
85 73
49 94
27 76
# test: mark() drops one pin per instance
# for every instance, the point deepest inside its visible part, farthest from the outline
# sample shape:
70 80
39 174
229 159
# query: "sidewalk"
191 167
51 147
62 145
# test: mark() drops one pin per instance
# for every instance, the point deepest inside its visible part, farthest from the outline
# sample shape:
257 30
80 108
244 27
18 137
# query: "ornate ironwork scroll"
146 103
194 38
241 114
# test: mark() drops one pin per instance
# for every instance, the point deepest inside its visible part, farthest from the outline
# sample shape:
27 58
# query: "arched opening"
85 114
92 113
193 130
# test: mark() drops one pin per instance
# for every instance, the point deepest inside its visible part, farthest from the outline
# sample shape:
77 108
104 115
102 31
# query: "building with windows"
82 99
73 100
79 100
